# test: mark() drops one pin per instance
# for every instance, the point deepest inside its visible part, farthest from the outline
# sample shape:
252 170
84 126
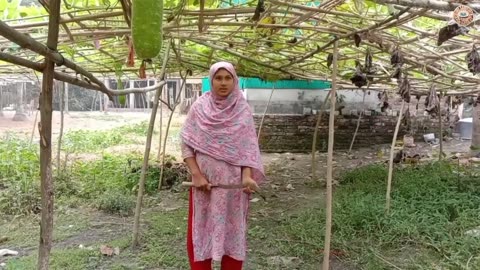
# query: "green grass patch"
432 208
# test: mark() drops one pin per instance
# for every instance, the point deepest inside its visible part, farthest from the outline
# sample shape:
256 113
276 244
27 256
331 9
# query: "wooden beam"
64 77
47 51
430 4
76 19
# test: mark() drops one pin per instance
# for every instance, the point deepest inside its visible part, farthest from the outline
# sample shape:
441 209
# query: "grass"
432 208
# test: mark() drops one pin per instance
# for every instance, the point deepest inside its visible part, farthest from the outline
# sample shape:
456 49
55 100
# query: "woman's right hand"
200 182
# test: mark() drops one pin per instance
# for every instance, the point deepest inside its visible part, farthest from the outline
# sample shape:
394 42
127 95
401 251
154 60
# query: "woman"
219 146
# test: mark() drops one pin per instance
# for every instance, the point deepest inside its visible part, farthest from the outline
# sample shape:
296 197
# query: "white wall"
293 101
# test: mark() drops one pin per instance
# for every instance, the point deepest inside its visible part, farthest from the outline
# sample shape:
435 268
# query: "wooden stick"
390 162
72 80
148 144
177 101
331 123
358 123
431 4
315 137
62 116
159 154
45 130
265 113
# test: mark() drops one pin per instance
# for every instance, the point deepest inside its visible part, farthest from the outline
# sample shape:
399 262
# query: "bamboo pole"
440 124
331 123
315 137
45 130
390 162
431 4
73 80
265 113
148 144
159 154
177 101
358 123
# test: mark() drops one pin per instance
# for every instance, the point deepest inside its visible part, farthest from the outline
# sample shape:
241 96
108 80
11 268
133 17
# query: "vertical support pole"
45 131
331 123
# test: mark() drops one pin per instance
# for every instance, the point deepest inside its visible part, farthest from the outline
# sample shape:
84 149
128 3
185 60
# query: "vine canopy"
381 42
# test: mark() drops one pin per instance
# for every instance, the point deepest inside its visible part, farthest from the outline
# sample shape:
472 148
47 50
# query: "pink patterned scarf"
223 128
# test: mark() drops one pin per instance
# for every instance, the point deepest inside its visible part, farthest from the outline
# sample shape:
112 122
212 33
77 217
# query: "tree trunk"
331 123
148 144
62 100
315 137
390 162
475 144
45 130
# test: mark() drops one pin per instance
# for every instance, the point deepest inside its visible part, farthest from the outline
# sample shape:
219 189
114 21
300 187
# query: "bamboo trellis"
289 39
283 39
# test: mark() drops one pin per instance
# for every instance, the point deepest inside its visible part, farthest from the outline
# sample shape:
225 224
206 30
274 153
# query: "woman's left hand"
249 184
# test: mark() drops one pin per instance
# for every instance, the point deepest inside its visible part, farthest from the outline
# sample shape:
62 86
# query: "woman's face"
223 83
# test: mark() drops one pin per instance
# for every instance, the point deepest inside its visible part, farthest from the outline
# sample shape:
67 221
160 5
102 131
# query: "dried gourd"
473 61
147 18
449 32
359 79
404 89
432 102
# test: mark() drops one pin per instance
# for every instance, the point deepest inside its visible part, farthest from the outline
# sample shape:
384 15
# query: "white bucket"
429 137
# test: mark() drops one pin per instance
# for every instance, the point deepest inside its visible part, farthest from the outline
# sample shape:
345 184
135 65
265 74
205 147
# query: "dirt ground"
288 188
73 121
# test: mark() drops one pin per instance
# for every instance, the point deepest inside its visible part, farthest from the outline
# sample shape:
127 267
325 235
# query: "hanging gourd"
147 18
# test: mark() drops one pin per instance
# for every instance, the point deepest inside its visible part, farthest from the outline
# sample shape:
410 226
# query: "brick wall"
294 133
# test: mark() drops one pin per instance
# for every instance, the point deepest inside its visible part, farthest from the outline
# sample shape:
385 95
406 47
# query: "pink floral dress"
219 216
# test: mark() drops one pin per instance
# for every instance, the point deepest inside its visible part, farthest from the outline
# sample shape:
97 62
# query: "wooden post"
45 130
315 137
331 123
390 162
141 184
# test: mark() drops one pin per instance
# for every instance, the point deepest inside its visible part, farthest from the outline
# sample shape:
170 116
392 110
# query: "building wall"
294 133
300 101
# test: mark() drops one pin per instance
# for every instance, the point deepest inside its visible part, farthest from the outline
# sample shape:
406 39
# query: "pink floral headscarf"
223 128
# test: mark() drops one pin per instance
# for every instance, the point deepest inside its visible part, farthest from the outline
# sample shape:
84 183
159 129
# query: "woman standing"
219 145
